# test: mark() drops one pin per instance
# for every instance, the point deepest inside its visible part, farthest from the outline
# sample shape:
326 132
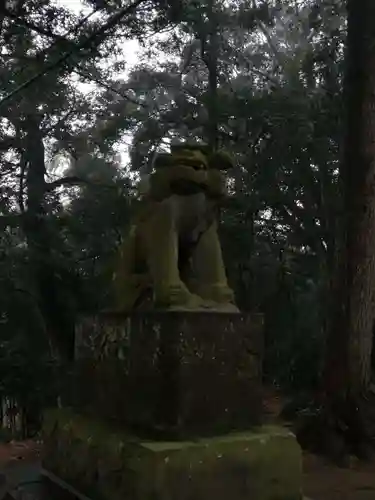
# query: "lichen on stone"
264 464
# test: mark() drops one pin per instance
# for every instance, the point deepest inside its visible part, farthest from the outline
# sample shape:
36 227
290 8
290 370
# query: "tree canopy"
262 79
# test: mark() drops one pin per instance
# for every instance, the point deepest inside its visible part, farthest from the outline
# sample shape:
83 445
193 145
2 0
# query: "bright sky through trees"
131 47
131 51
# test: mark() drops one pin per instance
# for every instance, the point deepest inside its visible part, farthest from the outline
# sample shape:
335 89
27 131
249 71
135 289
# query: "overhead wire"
62 39
97 36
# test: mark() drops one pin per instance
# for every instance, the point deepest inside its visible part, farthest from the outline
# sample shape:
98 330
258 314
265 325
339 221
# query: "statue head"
195 155
191 155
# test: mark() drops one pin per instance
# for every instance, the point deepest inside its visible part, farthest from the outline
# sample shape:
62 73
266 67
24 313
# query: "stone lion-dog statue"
172 254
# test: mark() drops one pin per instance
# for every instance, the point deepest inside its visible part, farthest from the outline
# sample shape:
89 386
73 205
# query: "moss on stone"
264 464
86 429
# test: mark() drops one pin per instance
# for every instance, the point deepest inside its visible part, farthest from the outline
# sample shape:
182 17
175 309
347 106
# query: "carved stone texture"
172 251
179 374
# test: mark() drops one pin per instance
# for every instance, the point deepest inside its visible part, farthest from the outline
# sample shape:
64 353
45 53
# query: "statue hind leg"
211 280
128 284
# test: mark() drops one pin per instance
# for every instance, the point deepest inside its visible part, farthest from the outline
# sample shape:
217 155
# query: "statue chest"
191 214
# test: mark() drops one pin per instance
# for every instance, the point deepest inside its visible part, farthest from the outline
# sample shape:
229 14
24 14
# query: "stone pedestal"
167 406
175 374
262 464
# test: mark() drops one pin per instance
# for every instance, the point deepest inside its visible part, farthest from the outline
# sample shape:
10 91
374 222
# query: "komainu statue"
172 254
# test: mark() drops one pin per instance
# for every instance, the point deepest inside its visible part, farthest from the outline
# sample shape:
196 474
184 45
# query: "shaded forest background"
263 80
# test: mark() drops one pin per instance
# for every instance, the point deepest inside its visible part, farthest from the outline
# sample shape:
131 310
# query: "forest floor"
322 480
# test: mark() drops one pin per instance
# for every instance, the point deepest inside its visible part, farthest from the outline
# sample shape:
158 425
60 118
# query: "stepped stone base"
262 464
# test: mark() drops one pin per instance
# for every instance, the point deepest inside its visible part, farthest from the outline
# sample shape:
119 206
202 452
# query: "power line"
62 39
97 36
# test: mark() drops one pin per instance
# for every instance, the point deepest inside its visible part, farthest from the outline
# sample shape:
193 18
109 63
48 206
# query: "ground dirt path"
19 461
323 480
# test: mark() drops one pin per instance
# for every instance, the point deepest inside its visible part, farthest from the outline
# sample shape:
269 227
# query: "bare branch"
72 180
108 87
75 180
34 27
13 220
7 143
92 41
271 44
22 184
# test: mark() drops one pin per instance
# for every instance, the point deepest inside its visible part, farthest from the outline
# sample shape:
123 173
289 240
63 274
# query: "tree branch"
13 220
109 87
75 180
7 143
270 41
22 184
71 180
34 27
61 120
60 38
91 42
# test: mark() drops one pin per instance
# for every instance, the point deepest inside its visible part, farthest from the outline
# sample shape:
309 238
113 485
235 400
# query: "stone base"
264 464
171 375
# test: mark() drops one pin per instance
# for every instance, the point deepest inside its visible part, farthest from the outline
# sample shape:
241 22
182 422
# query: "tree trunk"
348 356
60 329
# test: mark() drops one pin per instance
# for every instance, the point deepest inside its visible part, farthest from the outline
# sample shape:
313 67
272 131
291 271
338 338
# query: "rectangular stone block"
262 464
174 374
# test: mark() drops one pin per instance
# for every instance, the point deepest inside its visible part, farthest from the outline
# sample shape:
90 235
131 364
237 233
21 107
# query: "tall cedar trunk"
37 232
349 343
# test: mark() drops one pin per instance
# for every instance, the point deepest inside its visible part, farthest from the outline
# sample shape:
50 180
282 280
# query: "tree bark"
348 356
60 328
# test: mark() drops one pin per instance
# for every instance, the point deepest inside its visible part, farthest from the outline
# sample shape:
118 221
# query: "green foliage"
277 112
45 275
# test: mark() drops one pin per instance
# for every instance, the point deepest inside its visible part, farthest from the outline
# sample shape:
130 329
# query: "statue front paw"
178 298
